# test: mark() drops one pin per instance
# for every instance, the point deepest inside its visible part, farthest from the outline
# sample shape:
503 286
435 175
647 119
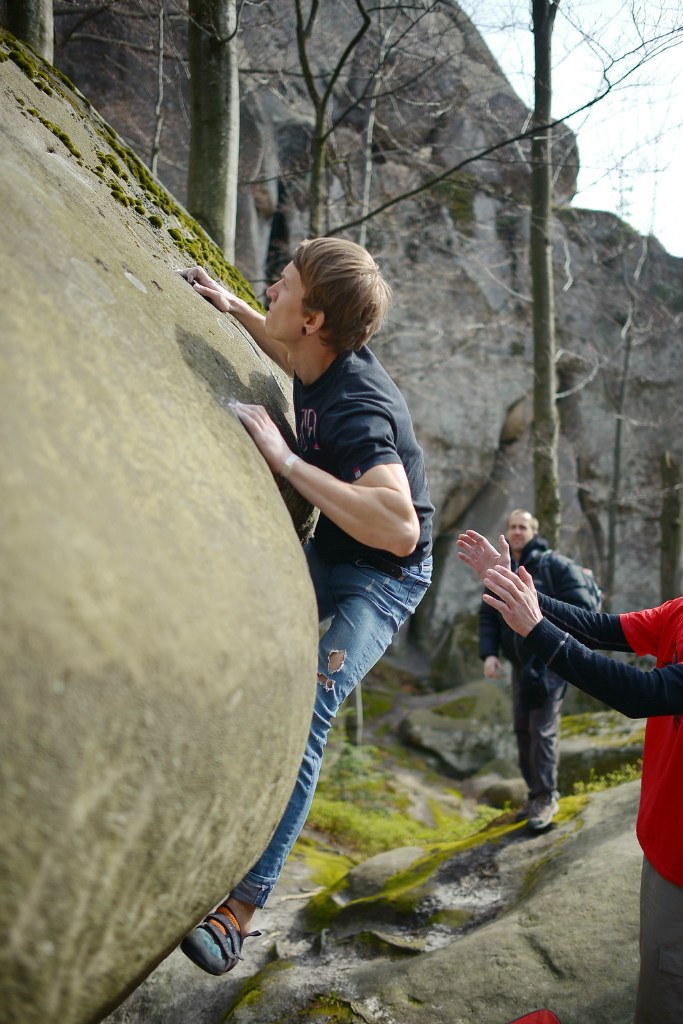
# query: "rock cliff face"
158 638
459 339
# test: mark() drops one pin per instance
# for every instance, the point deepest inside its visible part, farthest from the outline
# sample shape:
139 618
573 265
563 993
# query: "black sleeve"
358 437
594 629
627 689
489 631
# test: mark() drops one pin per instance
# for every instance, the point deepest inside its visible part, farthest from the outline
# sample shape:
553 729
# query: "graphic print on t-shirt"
308 428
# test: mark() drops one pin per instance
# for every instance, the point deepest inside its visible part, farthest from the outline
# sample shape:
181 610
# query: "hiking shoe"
523 813
215 945
542 811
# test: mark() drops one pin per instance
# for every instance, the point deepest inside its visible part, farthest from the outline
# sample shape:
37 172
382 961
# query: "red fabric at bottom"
537 1017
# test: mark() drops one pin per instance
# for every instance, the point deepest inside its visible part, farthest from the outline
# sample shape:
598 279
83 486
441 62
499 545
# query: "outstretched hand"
514 596
477 552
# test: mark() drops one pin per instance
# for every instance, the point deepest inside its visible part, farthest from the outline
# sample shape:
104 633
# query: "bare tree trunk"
368 136
316 189
671 531
214 136
366 170
158 115
546 421
354 718
321 101
615 487
32 22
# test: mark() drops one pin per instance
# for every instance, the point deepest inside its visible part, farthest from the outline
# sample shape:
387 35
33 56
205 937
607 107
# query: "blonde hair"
342 280
523 512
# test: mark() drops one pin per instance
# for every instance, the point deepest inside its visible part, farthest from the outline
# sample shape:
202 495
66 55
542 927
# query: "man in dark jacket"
537 692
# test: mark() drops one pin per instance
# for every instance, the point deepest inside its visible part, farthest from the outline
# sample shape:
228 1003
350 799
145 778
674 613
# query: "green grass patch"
358 806
598 783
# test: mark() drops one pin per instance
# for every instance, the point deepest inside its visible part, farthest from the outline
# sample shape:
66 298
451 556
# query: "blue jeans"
367 607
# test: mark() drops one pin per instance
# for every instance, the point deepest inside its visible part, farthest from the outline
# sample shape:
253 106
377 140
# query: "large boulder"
158 636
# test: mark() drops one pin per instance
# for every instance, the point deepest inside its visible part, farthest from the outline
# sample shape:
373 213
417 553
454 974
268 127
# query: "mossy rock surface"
158 640
466 729
597 743
553 921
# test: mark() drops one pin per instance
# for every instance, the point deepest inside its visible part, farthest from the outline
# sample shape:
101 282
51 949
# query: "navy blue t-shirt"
350 419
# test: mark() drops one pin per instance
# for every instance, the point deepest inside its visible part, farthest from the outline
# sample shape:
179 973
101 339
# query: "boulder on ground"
158 638
469 727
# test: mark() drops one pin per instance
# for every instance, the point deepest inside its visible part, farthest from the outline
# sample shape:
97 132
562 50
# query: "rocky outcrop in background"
459 338
158 638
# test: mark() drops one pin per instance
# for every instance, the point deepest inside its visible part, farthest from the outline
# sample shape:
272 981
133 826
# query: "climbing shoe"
215 945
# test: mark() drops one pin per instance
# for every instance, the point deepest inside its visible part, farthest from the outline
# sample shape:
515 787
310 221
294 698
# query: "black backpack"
590 584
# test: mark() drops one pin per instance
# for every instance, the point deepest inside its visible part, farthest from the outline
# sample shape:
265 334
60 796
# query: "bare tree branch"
482 154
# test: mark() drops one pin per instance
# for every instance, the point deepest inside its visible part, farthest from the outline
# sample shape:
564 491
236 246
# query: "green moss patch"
462 707
58 132
376 704
385 944
330 1007
107 160
570 807
404 892
251 989
190 239
452 919
37 70
357 805
603 723
325 867
458 193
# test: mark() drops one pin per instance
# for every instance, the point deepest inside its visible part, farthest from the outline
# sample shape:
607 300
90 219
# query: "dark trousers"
660 985
537 732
